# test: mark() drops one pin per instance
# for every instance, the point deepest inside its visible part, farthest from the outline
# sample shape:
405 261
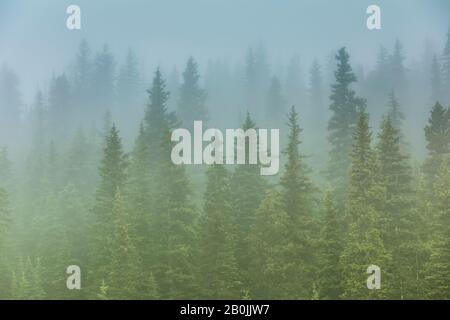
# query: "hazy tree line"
95 187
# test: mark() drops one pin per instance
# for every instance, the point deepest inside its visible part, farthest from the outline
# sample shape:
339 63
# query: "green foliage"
363 245
219 273
296 196
113 177
438 268
395 113
271 251
437 134
331 248
138 230
125 268
173 229
191 104
399 218
345 106
247 191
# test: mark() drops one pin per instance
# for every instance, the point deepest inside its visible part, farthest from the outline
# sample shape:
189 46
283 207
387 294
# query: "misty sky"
34 38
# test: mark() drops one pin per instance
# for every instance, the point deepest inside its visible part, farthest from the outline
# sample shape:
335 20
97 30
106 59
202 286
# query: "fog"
35 41
87 177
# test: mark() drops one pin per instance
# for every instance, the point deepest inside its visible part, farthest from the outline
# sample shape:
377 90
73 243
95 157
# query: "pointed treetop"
248 123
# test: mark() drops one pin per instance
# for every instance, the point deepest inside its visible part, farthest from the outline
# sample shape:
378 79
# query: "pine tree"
247 191
218 269
173 228
296 195
395 113
140 195
191 104
157 118
112 177
345 106
272 262
295 183
331 245
112 174
125 270
103 294
438 269
363 244
399 219
28 286
437 135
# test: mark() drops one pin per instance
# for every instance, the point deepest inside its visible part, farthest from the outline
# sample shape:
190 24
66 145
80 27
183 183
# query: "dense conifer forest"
86 179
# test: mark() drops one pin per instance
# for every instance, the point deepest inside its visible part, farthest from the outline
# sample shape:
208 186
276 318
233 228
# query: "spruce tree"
113 176
27 282
219 276
437 135
125 276
395 113
296 197
157 118
363 243
139 193
271 262
247 191
191 104
438 268
331 248
399 219
172 228
345 106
